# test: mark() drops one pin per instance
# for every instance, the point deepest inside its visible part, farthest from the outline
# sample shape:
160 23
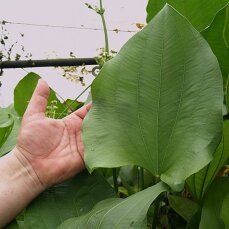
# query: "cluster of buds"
95 8
103 56
51 109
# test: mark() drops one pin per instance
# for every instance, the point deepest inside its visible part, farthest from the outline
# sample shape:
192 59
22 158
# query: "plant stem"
157 206
74 101
115 180
141 178
155 214
106 48
226 91
225 28
54 113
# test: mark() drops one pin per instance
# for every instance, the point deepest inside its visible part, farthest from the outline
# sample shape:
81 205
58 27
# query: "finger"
83 111
39 100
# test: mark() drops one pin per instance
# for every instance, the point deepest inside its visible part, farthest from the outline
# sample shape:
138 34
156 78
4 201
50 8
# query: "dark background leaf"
183 206
210 216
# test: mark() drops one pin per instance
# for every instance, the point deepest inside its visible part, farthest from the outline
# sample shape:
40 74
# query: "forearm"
19 185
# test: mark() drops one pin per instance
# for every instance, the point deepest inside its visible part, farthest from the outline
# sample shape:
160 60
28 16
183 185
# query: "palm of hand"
53 147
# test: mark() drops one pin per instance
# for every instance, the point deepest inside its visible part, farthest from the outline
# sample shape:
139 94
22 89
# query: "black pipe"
48 63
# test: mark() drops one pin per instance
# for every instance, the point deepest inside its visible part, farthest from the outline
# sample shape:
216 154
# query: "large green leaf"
199 182
210 216
158 103
215 35
69 199
24 91
199 12
117 213
224 214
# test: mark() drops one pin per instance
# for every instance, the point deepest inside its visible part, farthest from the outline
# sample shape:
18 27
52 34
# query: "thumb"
39 100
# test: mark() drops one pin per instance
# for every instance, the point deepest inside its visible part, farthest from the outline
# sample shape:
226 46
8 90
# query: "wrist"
23 171
19 185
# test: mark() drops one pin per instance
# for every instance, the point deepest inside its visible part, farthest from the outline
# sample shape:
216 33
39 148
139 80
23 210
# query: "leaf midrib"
181 98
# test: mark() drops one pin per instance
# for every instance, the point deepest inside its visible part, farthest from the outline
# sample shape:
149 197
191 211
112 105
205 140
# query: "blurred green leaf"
72 198
199 182
199 12
210 216
5 118
118 213
11 139
6 125
215 36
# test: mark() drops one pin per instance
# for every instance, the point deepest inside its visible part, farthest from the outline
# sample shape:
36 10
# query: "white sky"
44 42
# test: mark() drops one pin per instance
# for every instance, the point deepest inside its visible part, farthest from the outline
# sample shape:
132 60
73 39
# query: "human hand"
53 148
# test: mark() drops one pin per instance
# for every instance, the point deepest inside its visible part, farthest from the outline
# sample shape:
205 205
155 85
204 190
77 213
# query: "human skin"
48 152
